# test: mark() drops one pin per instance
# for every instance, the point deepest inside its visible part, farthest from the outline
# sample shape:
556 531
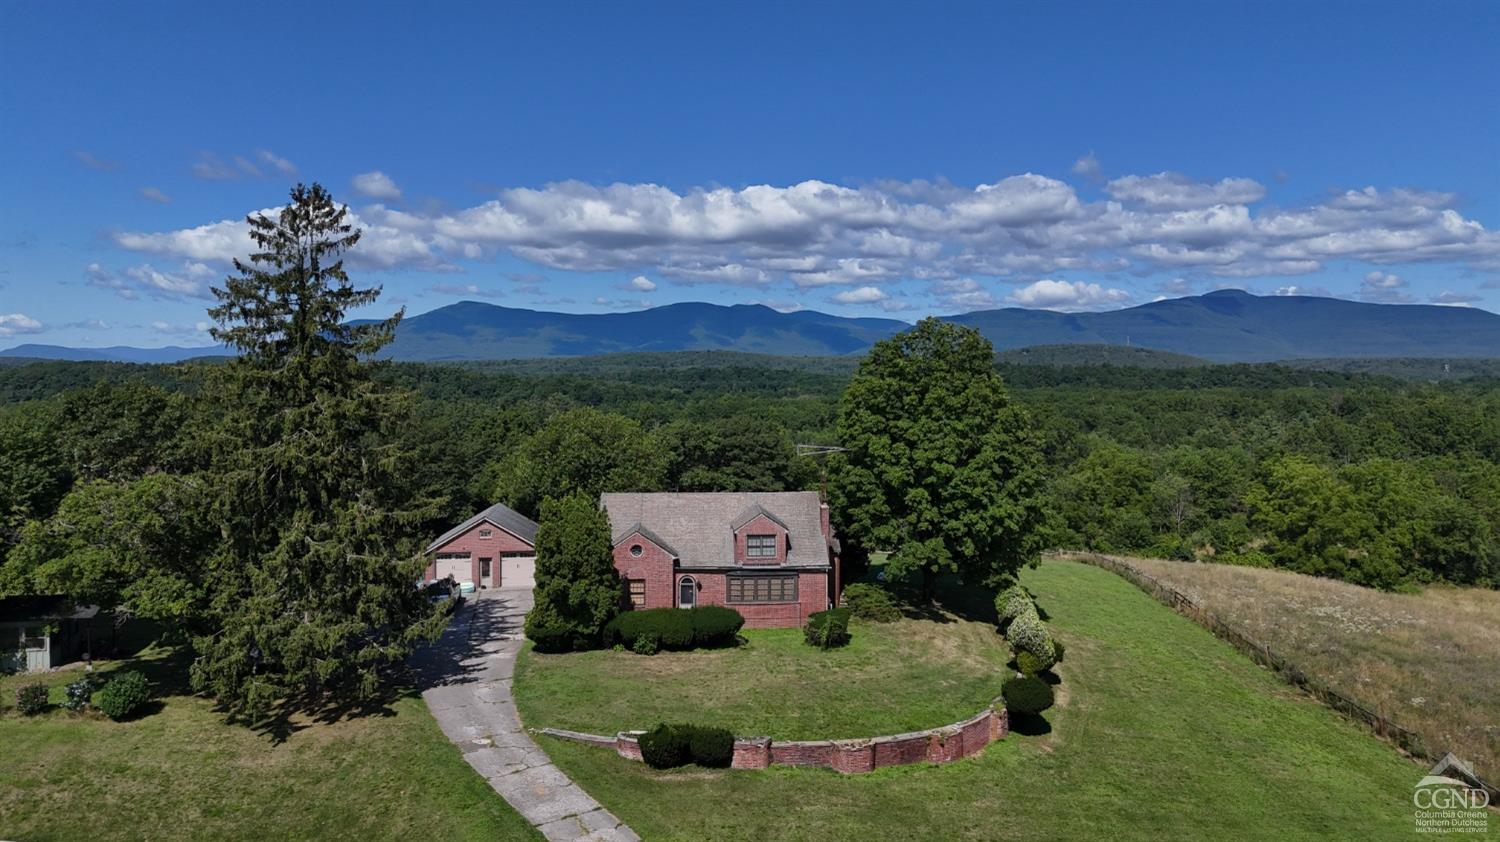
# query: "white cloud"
467 290
1455 299
964 294
376 185
862 295
276 162
1088 167
93 162
13 324
1384 288
1175 191
180 330
191 281
1062 295
152 194
1318 292
814 233
640 283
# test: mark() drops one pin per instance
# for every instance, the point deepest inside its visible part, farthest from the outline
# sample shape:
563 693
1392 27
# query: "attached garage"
454 565
518 570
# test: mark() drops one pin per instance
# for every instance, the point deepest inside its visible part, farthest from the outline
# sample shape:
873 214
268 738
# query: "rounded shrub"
31 699
872 602
675 629
715 625
828 629
126 693
1026 696
79 692
1028 633
665 747
711 747
1031 664
1011 603
645 644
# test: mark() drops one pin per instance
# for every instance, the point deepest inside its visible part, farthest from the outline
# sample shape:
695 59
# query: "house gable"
647 567
752 537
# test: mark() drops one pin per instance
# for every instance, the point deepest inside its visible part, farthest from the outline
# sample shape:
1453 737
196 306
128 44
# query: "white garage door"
456 566
517 571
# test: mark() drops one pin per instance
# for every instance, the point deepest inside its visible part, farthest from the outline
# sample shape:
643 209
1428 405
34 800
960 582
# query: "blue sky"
894 160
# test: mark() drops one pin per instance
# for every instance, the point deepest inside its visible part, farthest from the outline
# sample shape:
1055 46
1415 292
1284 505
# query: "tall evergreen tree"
577 587
941 468
312 585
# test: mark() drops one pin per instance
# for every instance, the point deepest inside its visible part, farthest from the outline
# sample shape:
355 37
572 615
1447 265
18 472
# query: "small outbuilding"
43 632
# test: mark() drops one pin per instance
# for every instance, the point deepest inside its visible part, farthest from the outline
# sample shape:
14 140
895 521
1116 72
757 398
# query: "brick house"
772 556
493 549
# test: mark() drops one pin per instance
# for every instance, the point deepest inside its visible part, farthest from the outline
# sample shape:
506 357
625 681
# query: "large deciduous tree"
941 468
577 587
311 589
585 451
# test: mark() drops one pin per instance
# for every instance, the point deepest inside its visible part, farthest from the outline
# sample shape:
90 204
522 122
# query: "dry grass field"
1429 661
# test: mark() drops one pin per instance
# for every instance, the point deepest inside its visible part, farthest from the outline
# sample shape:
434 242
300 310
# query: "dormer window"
760 546
485 533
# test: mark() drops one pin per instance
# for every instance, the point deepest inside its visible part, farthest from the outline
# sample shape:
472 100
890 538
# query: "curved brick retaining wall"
935 745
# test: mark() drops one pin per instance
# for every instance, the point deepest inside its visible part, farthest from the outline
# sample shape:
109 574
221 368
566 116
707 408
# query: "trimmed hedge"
828 629
127 692
669 746
1011 603
675 628
1027 633
1026 696
1031 664
872 602
31 699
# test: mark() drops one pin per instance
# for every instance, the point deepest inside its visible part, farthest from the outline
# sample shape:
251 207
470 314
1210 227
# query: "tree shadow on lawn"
1030 725
456 657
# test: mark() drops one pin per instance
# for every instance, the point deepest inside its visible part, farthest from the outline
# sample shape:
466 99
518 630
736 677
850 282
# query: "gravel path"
467 680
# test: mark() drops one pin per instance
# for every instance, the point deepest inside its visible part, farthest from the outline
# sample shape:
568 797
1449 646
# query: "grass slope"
1429 661
1163 732
891 678
180 772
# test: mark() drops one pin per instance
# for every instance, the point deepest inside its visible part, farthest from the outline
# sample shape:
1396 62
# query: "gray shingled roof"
700 526
500 515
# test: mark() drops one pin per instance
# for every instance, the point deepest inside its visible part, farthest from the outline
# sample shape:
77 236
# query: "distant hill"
1235 326
1222 326
113 354
471 330
1076 355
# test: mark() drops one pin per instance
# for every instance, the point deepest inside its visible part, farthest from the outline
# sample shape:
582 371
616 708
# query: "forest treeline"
1373 479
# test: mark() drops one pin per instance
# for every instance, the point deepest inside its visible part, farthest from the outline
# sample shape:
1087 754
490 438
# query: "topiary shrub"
665 747
828 629
715 625
1011 603
645 644
1026 696
711 747
1027 633
31 699
1030 664
126 693
872 602
79 692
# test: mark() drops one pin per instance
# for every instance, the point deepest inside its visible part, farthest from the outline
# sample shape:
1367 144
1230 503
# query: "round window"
635 549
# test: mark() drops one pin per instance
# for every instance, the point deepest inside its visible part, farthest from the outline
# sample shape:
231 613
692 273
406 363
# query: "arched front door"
687 592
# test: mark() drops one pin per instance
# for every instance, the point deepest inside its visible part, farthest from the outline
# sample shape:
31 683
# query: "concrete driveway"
466 680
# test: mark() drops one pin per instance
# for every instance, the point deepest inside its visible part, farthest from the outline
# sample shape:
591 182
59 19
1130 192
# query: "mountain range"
1221 326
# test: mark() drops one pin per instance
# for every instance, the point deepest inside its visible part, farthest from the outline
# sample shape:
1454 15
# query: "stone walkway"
466 677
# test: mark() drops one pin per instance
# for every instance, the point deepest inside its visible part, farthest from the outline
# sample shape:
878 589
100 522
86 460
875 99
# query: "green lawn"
1163 732
180 772
924 674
